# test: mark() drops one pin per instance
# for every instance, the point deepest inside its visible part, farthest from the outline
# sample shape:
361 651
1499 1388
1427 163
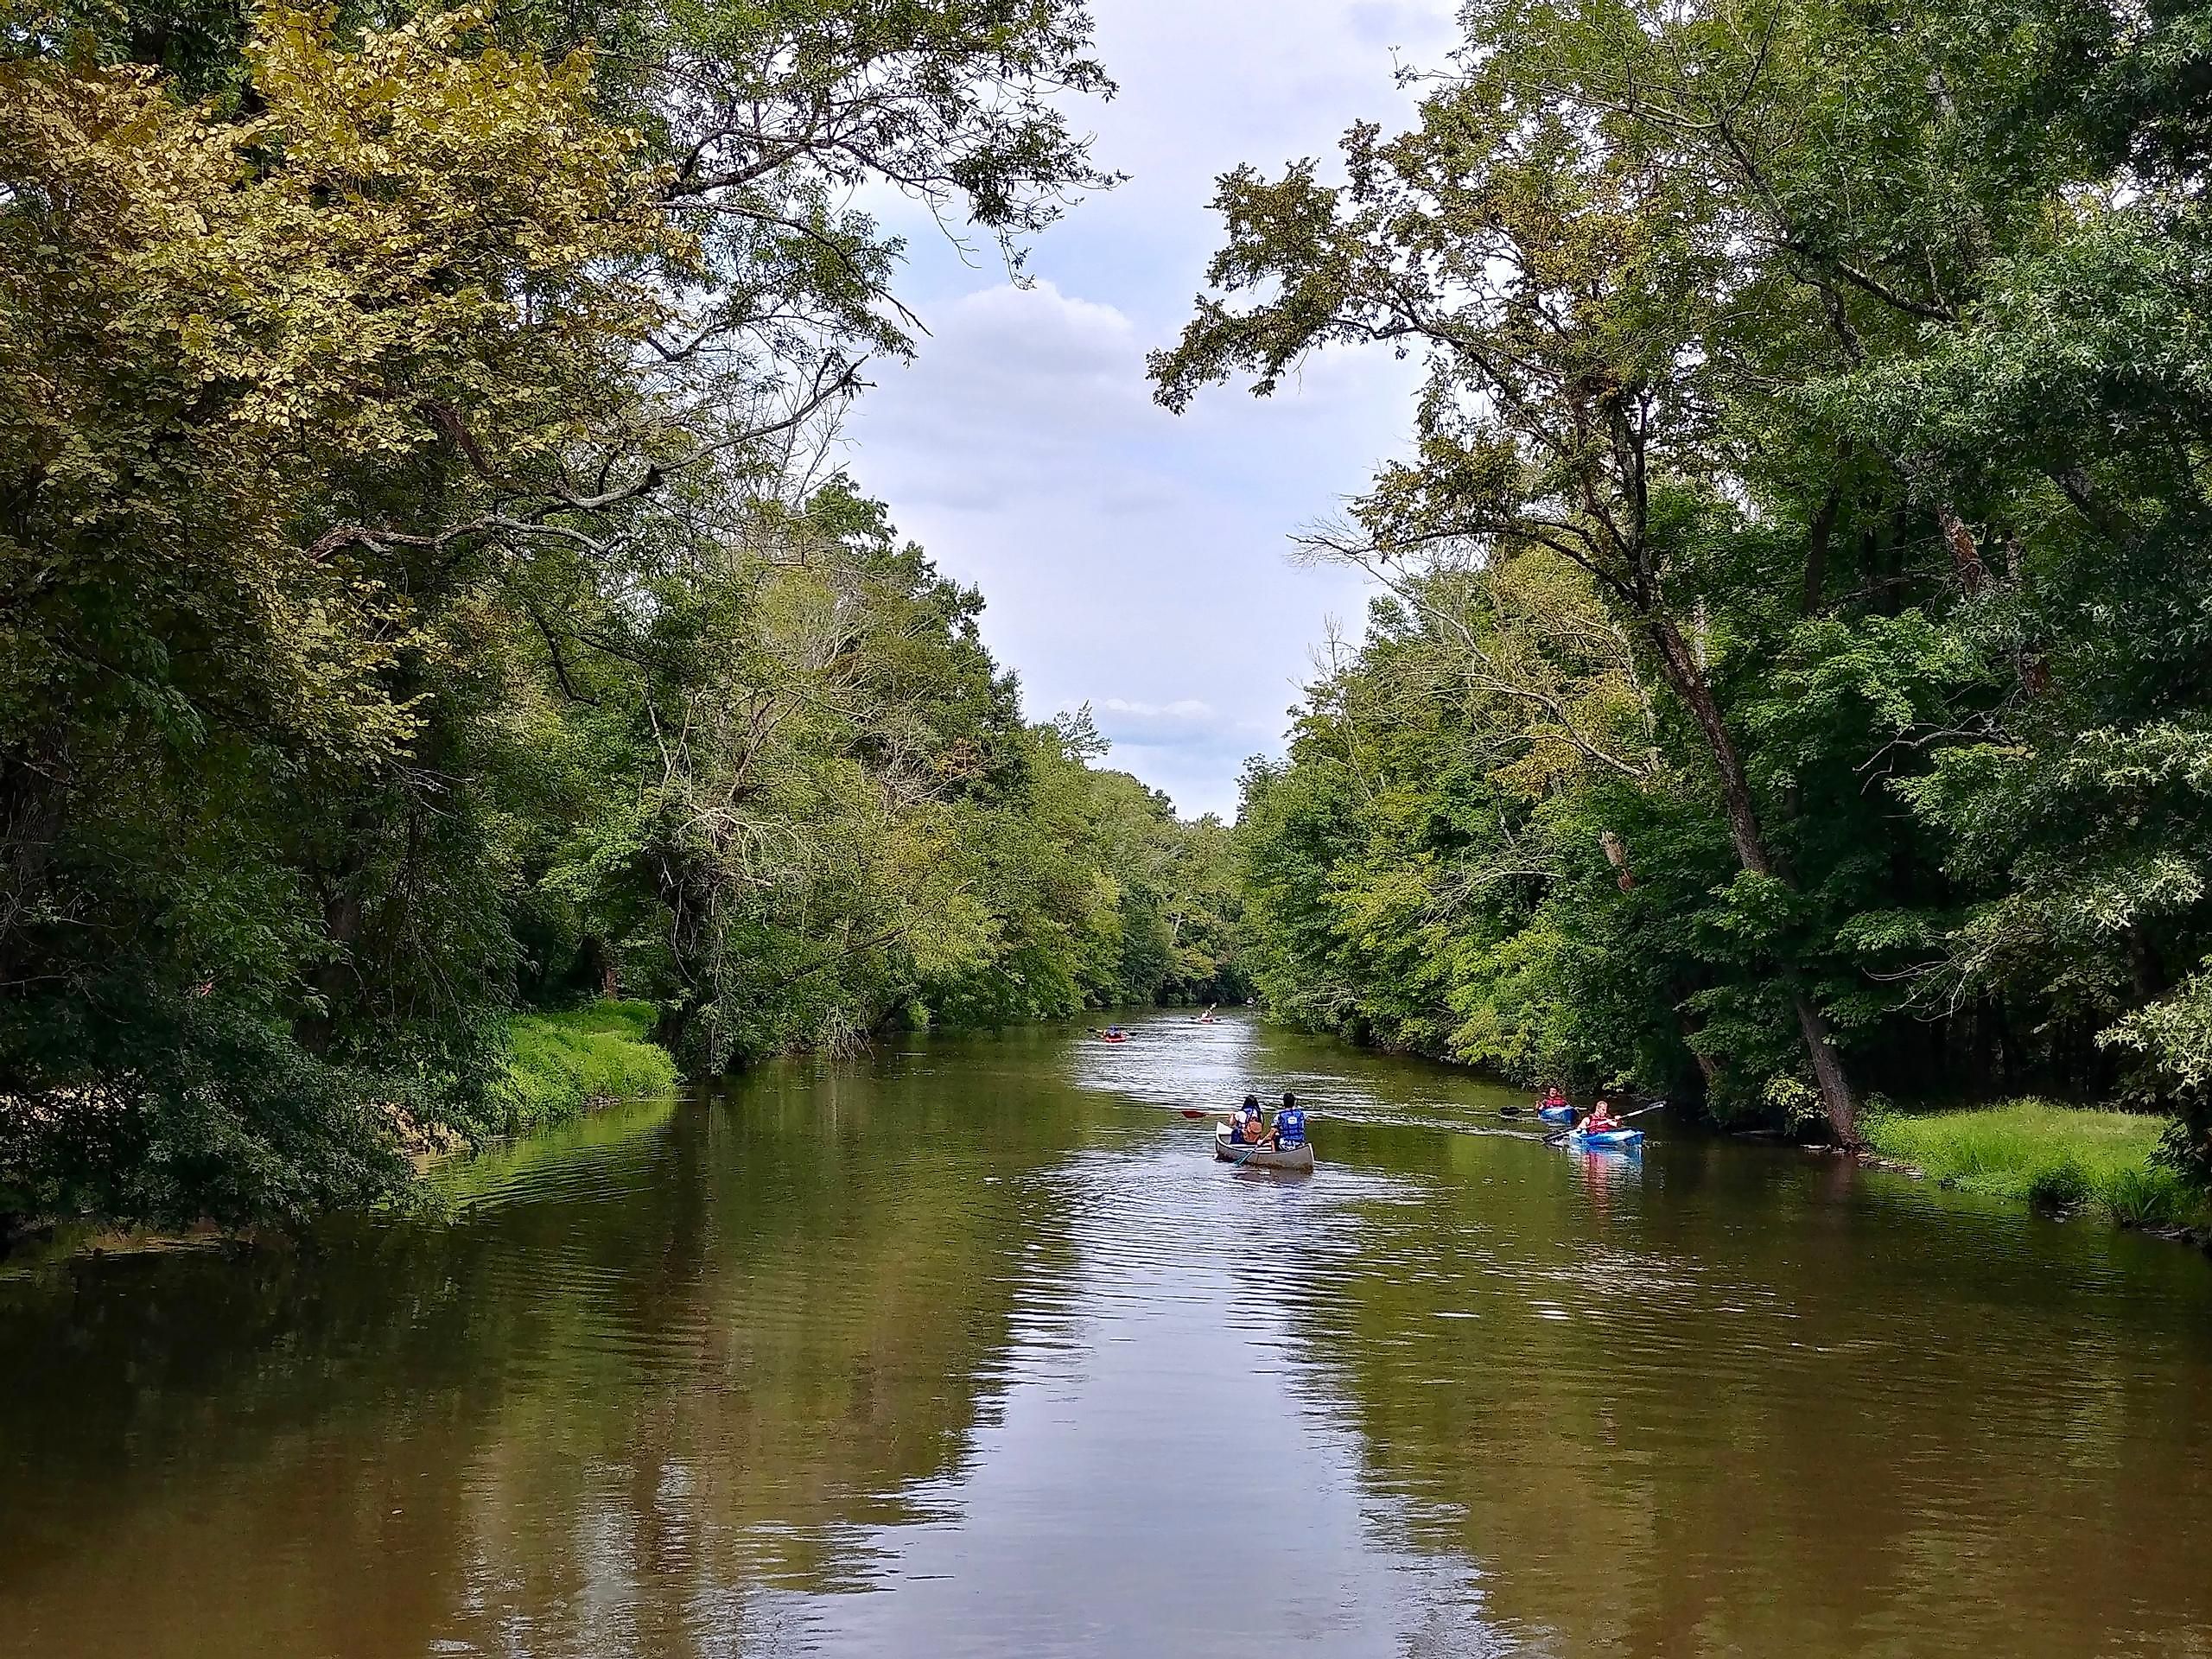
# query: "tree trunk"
1816 549
1836 1094
341 921
1966 557
1837 1099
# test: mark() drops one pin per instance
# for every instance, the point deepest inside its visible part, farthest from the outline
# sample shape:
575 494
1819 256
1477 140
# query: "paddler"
1290 1122
1250 1127
1601 1119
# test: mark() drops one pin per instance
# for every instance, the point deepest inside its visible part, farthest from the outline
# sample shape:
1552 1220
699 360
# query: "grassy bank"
2055 1157
561 1061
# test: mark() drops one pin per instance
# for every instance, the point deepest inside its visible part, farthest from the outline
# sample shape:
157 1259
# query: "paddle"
1242 1159
1554 1140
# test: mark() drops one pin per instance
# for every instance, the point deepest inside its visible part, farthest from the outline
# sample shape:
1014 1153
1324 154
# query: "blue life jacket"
1290 1126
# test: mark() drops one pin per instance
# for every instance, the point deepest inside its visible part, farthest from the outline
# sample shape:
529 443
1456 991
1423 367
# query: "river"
971 1349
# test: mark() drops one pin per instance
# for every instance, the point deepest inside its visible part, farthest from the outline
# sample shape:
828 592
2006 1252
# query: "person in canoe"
1250 1127
1290 1123
1601 1120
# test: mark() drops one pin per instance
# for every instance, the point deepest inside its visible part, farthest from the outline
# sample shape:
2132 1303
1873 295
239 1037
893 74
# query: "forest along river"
972 1350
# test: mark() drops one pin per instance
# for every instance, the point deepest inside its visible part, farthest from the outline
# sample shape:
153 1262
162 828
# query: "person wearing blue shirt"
1290 1122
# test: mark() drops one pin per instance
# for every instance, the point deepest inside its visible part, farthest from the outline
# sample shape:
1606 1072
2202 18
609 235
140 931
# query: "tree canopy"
1794 670
421 592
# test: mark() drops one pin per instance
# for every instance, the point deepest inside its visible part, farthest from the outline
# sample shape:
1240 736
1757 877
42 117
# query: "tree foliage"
419 593
1854 360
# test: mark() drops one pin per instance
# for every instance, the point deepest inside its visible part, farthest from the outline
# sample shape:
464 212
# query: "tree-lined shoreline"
427 605
1790 684
424 597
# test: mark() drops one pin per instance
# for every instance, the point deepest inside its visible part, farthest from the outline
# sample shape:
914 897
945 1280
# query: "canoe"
1556 1114
1261 1157
1608 1141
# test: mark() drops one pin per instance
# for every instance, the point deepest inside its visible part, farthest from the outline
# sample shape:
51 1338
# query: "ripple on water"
975 1348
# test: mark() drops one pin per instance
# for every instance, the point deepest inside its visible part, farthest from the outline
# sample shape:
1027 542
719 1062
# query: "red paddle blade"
1195 1111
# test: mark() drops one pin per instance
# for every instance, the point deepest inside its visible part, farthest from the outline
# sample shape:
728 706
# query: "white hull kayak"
1261 1157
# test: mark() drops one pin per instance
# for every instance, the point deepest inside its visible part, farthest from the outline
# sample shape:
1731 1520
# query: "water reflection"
975 1350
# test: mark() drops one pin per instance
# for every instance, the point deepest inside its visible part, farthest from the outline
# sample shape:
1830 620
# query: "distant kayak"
1606 1140
1261 1157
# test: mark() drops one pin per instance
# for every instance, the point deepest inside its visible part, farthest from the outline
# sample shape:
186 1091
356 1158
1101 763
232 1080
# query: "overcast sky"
1130 558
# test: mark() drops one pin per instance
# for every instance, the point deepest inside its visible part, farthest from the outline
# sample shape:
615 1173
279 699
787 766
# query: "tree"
1846 354
1566 293
389 396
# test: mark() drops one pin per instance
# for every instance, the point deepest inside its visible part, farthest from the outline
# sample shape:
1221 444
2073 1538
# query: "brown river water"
972 1349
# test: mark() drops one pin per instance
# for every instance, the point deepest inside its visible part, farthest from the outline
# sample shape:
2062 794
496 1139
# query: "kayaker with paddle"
1601 1120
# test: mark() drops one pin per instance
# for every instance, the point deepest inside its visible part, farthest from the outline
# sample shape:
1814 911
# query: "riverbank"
562 1063
560 1066
2053 1157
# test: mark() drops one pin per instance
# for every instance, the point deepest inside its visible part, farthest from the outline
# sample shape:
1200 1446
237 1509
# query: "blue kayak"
1556 1114
1608 1140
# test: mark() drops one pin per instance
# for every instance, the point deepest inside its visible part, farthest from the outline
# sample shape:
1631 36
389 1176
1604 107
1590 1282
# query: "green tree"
1849 357
403 414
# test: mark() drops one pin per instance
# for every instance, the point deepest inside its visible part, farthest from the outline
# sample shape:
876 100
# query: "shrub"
2060 1186
2147 1198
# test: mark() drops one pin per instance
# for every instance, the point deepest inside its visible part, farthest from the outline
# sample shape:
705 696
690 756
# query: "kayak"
1606 1140
1261 1157
1556 1114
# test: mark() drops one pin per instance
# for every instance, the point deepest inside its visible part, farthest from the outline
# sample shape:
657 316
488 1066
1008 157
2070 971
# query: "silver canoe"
1261 1157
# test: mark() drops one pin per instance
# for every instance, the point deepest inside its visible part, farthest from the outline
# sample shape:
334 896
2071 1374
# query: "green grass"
564 1061
2051 1156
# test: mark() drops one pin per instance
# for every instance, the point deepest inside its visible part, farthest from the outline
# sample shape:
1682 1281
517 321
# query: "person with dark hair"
1290 1122
1250 1127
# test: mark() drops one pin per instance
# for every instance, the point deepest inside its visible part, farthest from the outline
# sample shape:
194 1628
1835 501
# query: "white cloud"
1018 392
1382 22
1130 558
1188 708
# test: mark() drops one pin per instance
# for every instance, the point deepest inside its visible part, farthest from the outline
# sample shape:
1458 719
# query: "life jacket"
1249 1125
1290 1126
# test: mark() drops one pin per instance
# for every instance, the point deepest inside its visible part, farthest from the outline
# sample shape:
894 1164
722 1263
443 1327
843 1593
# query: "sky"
1129 558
